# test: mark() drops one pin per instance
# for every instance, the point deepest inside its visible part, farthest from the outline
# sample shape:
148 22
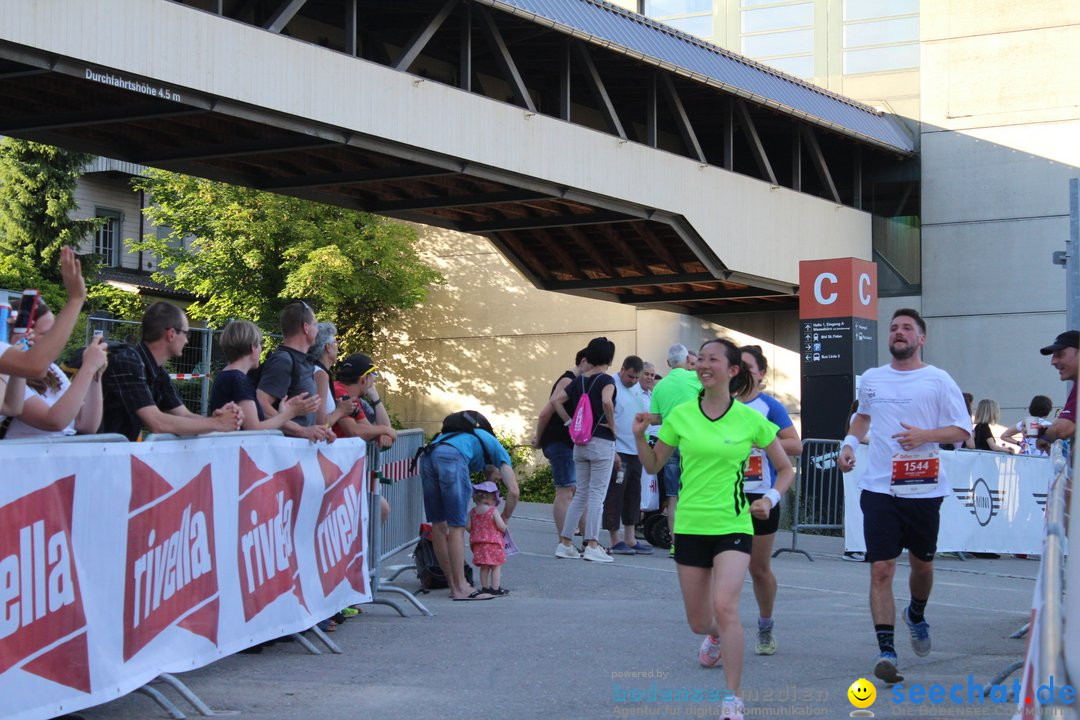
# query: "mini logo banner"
170 573
339 544
265 543
42 621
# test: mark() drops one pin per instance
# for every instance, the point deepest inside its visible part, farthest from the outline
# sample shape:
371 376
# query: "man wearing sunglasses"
138 393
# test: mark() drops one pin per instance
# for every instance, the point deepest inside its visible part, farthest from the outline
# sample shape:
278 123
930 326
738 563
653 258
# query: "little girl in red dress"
487 537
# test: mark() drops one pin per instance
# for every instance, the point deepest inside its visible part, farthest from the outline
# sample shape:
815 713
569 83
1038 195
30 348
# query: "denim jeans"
561 457
447 487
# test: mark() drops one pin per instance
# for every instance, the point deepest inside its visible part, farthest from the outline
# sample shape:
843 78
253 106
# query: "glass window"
897 30
751 3
895 57
801 66
700 25
780 43
778 18
107 238
662 8
874 9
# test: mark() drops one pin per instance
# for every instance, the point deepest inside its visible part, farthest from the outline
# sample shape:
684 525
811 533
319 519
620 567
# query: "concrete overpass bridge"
604 154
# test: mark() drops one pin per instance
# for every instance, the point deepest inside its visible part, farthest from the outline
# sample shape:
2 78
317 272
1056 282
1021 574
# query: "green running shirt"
713 452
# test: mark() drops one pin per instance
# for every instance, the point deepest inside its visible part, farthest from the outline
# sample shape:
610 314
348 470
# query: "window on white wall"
779 33
107 238
694 17
880 35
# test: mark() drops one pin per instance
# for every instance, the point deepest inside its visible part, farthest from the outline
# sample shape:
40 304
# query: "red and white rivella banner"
120 561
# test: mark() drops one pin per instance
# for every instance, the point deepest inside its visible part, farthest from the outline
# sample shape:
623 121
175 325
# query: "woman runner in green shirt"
713 531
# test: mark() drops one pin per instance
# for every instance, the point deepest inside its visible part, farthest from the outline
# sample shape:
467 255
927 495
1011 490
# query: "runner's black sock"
916 609
885 634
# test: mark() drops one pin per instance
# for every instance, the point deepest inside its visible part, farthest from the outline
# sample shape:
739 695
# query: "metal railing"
819 492
1051 661
193 372
398 483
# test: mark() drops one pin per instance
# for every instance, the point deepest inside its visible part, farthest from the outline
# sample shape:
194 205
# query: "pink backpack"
581 422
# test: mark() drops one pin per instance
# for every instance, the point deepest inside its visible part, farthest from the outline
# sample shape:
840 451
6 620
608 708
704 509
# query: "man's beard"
904 353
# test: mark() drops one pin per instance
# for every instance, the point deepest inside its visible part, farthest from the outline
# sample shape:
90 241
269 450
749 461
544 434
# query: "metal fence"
819 493
398 483
193 372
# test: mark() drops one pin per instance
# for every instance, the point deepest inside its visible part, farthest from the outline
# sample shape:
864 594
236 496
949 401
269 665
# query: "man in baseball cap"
1065 357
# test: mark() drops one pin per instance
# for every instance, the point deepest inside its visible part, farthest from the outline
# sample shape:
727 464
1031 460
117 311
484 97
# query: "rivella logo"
983 502
339 541
42 621
266 524
170 578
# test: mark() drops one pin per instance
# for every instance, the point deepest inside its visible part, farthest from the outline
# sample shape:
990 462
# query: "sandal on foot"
474 595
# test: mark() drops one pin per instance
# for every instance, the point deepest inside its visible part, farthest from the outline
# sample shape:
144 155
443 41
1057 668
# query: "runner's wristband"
850 441
774 496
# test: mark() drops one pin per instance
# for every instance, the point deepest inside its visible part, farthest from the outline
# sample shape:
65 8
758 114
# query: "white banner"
997 503
120 561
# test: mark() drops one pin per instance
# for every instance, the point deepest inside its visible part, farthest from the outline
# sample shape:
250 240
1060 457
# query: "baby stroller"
653 527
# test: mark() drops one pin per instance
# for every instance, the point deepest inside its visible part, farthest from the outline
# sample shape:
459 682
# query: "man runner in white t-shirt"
908 407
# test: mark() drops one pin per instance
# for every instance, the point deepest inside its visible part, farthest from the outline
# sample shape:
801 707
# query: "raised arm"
652 457
35 361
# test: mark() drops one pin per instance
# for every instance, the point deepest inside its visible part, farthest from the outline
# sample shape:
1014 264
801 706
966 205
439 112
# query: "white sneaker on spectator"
566 551
595 553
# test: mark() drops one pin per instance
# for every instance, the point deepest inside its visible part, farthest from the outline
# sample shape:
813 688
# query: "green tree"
37 196
252 252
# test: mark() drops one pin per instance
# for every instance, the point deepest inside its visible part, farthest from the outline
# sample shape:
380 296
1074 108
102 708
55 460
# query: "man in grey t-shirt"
289 372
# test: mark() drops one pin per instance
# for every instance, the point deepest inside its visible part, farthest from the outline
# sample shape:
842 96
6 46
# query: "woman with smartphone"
54 405
35 361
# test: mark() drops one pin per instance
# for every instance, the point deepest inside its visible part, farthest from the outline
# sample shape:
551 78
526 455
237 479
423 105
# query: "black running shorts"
699 550
769 525
892 523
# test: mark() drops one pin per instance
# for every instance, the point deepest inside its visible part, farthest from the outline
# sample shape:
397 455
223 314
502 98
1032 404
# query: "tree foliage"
249 253
37 196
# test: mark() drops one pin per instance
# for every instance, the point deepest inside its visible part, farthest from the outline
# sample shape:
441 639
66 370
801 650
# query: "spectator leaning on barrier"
138 392
288 372
369 420
1065 358
241 341
324 353
54 405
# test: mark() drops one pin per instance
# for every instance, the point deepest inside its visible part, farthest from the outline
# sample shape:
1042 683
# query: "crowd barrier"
996 503
397 482
123 562
819 493
1046 662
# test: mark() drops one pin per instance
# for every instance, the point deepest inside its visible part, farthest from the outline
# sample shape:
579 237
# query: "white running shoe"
567 551
733 708
709 652
595 553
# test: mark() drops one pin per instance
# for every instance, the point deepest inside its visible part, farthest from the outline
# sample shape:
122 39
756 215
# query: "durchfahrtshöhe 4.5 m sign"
121 561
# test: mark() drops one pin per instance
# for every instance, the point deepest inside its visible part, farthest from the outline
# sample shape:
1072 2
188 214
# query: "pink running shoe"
709 652
733 708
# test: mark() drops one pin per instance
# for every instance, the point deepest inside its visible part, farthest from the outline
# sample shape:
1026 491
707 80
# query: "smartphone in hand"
27 307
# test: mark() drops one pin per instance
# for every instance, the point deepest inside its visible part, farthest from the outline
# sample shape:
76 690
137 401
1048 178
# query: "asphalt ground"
582 640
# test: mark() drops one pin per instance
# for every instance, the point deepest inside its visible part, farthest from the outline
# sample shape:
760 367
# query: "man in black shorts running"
908 407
